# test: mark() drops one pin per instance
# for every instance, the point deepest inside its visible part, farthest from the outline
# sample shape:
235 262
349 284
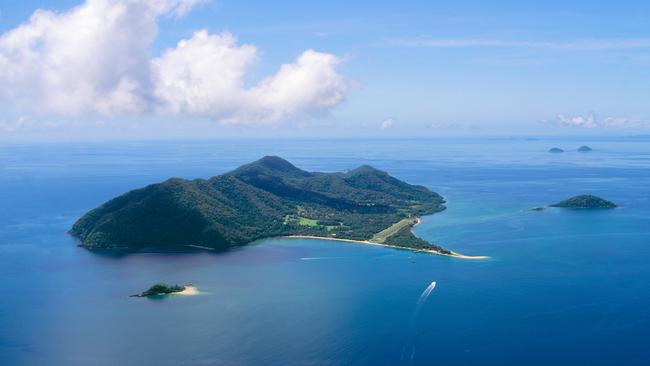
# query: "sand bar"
453 254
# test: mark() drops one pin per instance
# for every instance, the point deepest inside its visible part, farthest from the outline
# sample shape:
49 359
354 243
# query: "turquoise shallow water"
563 287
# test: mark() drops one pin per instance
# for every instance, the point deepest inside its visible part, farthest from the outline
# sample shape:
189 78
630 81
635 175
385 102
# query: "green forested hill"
585 201
266 198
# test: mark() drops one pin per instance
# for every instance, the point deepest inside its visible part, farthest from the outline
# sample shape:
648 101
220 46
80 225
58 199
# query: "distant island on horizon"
267 198
585 201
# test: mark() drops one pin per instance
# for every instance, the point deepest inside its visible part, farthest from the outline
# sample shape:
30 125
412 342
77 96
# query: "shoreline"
452 255
188 291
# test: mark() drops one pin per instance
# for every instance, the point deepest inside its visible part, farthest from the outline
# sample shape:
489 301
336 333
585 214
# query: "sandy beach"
189 291
453 254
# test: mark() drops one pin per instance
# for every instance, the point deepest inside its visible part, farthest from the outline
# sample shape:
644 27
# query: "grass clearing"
381 236
303 221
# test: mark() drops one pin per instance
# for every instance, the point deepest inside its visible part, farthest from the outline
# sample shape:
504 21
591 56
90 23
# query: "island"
555 150
585 202
584 148
161 289
267 198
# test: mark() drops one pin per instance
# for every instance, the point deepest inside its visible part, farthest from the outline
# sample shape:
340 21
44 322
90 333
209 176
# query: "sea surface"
562 287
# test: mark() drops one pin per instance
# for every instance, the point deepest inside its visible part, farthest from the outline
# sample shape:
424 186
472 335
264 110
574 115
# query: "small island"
555 150
584 148
585 202
267 198
161 289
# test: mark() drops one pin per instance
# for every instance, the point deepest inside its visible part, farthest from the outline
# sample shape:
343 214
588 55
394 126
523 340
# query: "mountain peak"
274 161
270 165
365 169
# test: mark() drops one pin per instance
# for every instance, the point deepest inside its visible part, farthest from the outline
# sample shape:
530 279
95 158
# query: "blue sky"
411 68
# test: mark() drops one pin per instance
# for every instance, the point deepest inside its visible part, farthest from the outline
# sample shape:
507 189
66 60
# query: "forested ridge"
267 198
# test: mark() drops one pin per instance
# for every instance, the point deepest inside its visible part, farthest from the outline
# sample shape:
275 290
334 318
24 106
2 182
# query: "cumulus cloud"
94 59
625 122
387 123
590 121
584 121
205 74
91 58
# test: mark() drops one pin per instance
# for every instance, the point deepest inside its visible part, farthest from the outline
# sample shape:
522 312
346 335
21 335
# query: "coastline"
189 291
452 255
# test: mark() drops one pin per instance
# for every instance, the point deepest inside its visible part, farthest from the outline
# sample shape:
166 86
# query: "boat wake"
409 351
426 293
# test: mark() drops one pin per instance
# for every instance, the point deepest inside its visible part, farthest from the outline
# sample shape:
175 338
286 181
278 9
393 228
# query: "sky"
160 69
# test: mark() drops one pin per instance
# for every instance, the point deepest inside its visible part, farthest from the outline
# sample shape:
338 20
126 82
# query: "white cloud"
590 121
94 60
310 83
13 125
445 125
387 123
625 122
202 75
205 74
181 8
586 121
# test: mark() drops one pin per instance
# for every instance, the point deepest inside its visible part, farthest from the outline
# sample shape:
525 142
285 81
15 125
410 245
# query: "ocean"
562 287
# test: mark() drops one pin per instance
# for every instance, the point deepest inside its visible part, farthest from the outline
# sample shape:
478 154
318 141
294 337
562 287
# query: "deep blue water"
562 288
